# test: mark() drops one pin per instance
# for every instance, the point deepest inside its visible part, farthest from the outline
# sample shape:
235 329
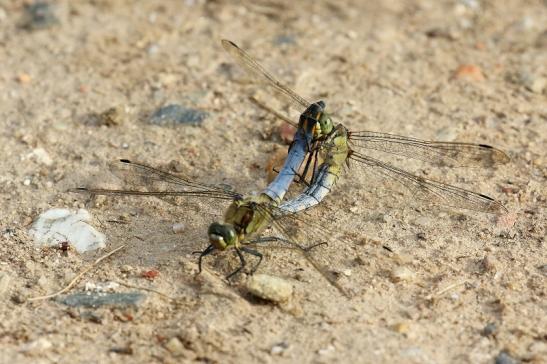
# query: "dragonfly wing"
430 190
441 153
149 181
287 225
259 73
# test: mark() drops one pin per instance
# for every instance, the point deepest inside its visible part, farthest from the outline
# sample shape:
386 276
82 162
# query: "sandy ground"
472 286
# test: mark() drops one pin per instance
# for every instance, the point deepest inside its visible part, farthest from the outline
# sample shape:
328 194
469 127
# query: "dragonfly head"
221 236
315 113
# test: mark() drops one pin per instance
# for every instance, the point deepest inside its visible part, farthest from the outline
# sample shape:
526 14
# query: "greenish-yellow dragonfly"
245 218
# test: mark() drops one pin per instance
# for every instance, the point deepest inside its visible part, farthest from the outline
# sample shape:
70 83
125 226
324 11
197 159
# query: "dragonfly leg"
308 162
243 263
256 254
301 178
207 251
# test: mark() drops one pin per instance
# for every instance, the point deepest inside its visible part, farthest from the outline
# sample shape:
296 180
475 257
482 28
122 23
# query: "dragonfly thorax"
248 215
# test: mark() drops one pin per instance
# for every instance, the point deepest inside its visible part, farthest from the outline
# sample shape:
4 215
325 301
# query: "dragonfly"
338 146
244 220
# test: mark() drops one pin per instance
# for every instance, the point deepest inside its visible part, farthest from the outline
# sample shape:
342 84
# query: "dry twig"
77 278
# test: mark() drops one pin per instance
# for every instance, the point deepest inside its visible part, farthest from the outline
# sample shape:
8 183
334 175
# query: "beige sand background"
388 66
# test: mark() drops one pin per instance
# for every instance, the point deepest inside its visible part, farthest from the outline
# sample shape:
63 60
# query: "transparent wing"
441 153
148 181
255 70
429 190
304 234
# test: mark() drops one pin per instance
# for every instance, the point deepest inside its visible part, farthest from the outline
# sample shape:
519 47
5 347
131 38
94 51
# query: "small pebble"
114 116
126 268
489 330
18 298
532 82
37 346
488 264
286 133
401 328
178 227
150 274
504 358
42 282
278 349
55 225
536 84
270 288
41 156
400 274
284 39
347 272
167 79
39 15
468 72
173 114
326 351
23 78
174 346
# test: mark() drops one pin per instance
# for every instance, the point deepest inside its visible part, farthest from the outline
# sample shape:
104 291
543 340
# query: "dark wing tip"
125 161
494 206
228 43
77 189
497 208
497 156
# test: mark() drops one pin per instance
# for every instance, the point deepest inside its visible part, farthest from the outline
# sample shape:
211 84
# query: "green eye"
326 124
221 236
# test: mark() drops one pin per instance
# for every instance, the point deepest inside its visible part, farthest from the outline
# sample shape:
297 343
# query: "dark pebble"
284 39
504 358
39 15
489 329
101 299
172 115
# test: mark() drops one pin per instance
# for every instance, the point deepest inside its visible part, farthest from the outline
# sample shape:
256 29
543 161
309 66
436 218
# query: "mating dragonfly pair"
317 136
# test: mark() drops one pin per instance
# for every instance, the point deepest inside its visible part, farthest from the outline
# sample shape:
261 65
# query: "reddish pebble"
286 132
468 72
23 78
150 274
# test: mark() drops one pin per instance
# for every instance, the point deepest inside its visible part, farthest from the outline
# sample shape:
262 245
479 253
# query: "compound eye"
221 236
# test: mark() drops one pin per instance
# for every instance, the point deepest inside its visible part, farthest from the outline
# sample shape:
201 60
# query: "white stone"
58 225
